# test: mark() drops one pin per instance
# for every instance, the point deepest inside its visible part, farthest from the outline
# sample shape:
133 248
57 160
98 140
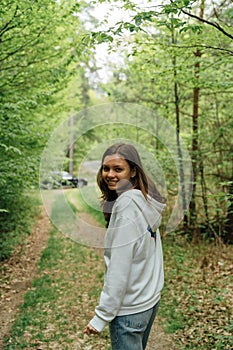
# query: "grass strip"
87 200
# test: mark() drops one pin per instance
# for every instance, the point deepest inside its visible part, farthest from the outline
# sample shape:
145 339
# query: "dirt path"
18 273
159 340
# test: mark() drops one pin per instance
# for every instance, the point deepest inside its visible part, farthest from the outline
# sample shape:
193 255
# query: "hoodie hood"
149 208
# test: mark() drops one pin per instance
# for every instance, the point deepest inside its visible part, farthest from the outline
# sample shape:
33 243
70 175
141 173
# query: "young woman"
133 252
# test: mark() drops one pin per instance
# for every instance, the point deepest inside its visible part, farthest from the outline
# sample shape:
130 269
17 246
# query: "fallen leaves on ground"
198 295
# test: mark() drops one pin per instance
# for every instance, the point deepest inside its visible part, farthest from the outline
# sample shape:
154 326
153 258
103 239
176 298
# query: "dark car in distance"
56 179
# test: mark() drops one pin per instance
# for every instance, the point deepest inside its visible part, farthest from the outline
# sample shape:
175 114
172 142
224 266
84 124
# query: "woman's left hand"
90 330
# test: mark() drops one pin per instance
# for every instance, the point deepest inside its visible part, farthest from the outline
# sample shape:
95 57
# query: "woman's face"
116 172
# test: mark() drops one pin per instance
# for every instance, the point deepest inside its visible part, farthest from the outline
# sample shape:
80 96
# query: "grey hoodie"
133 256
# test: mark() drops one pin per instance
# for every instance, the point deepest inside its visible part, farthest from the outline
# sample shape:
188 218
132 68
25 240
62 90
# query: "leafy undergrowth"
198 294
15 227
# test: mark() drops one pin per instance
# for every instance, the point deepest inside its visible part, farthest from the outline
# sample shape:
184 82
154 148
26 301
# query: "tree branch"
215 25
5 27
148 43
30 62
204 47
29 43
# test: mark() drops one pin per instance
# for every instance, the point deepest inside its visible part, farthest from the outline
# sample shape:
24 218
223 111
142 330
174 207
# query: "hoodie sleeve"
124 237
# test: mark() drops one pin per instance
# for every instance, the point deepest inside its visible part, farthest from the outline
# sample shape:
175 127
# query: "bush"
16 223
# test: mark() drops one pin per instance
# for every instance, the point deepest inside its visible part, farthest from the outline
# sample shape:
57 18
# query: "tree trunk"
195 136
179 150
71 148
195 143
228 237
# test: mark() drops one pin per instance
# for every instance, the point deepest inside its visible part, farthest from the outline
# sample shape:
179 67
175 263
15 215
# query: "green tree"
39 50
165 74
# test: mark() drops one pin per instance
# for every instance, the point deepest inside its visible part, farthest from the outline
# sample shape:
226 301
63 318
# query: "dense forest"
175 59
77 76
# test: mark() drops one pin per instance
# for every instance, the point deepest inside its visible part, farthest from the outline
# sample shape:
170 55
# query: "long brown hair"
140 181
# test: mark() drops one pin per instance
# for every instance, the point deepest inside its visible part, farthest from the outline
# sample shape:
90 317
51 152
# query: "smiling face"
117 173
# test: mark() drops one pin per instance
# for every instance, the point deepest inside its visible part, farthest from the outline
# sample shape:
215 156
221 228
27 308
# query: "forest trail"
18 273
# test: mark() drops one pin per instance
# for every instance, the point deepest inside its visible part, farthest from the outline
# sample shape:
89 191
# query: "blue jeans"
131 332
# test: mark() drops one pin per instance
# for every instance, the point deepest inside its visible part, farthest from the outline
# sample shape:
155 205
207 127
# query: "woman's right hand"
90 330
